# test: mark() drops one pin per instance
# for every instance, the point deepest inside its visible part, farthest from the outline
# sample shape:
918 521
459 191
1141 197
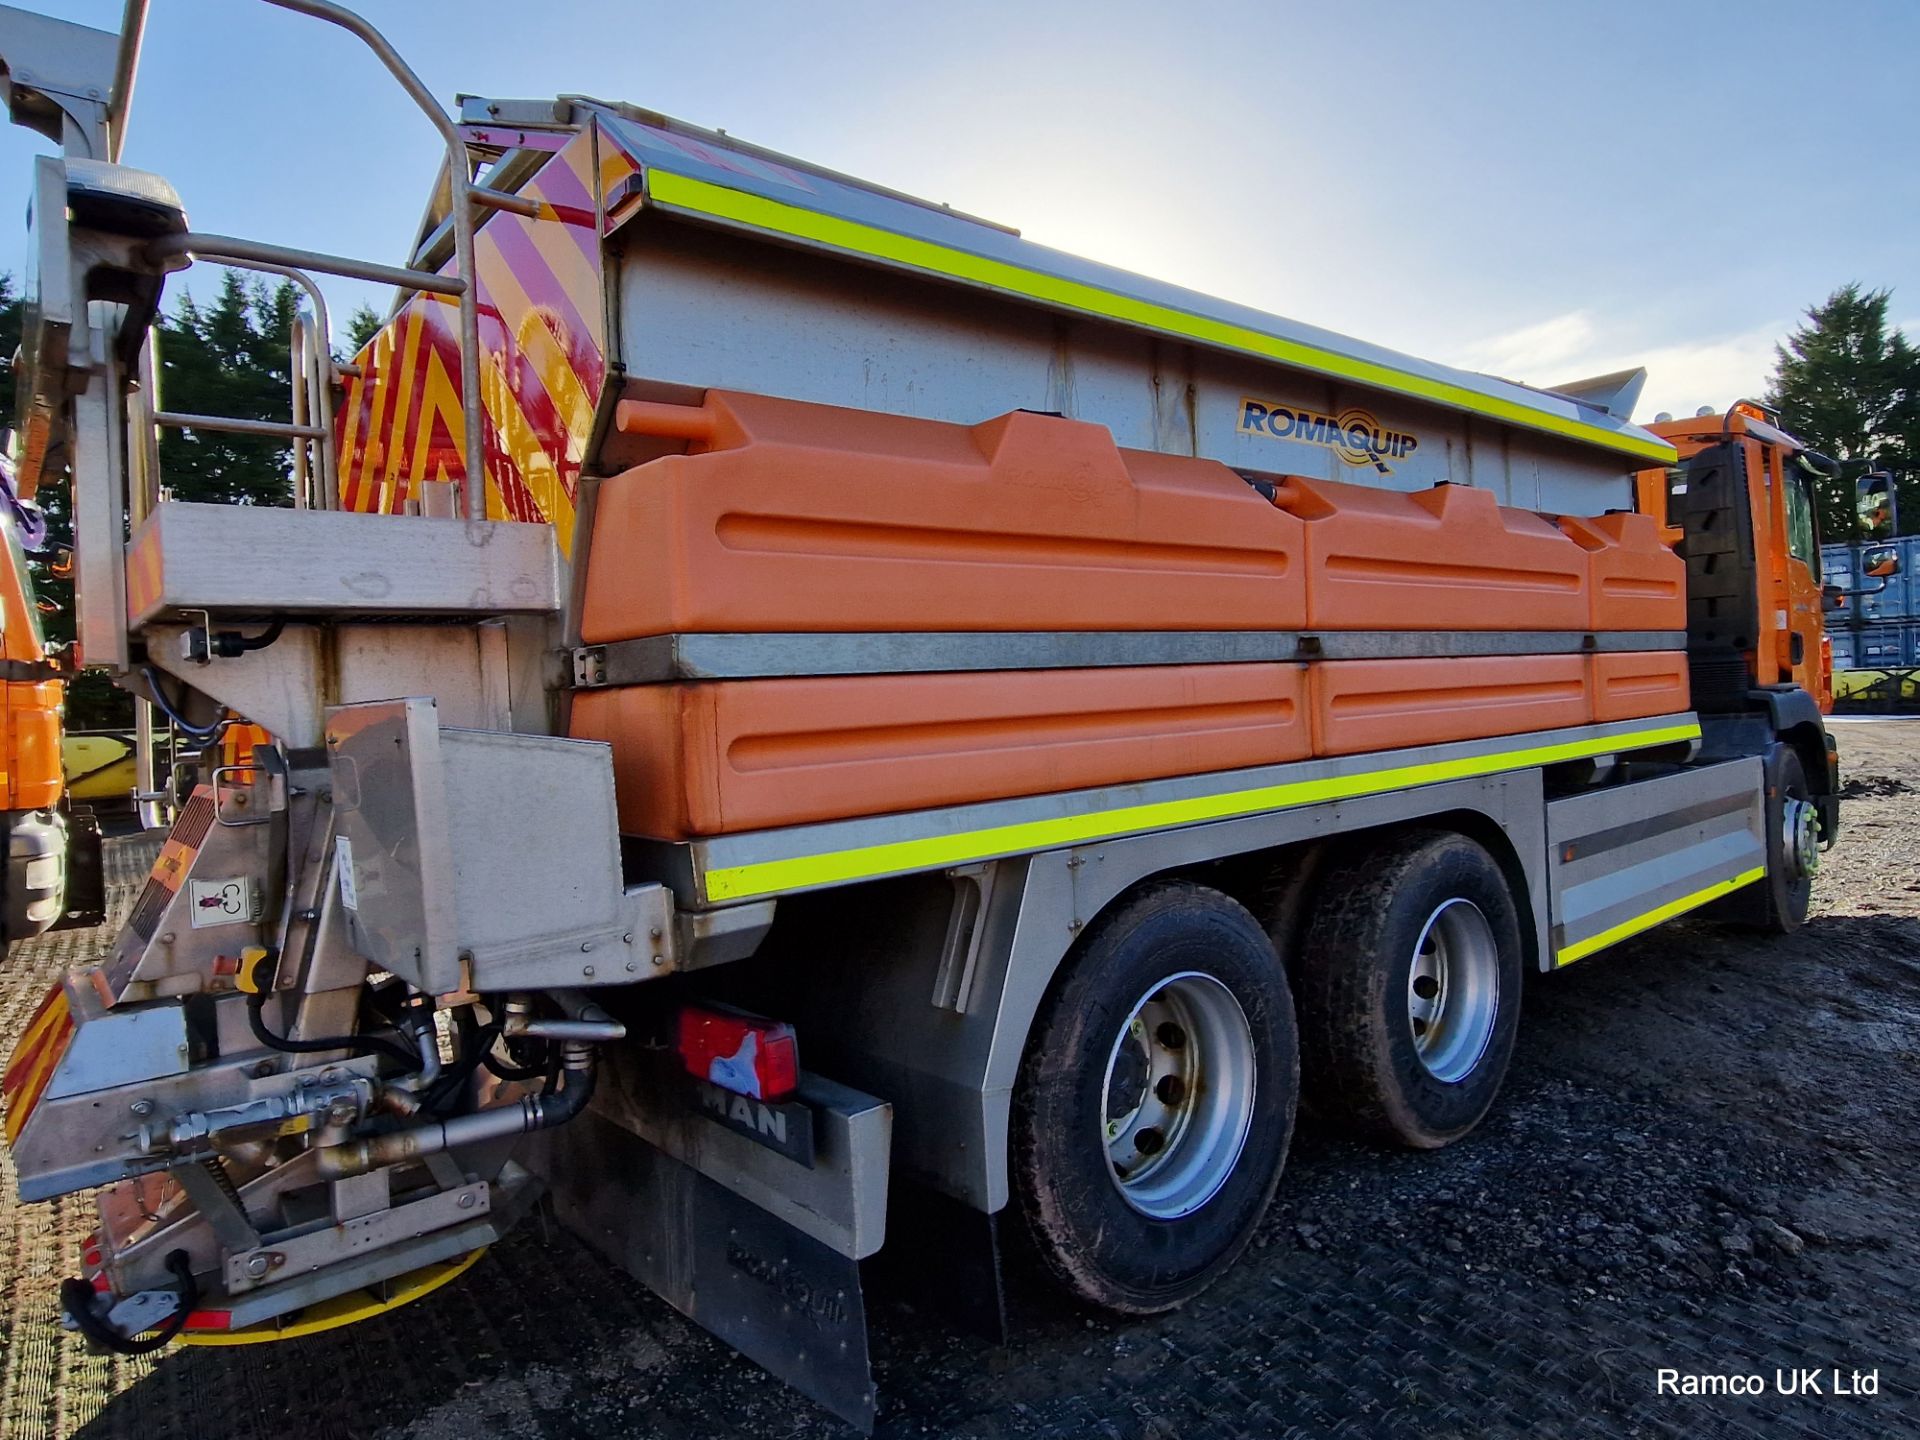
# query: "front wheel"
1409 989
1156 1100
1793 843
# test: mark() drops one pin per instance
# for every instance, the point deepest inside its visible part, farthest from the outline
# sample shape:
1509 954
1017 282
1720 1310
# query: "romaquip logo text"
1354 434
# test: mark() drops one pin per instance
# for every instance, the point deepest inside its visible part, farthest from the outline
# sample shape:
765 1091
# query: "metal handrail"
133 30
309 384
235 425
464 196
143 437
258 255
462 188
294 264
310 355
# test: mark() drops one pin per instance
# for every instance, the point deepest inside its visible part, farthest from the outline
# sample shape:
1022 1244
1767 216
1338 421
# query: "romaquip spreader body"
811 729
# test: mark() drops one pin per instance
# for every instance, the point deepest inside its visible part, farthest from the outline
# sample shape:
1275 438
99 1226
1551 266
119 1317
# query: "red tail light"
737 1052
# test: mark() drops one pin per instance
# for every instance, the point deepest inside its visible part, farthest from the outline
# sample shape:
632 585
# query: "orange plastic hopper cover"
1448 558
1361 705
1636 684
807 517
1636 582
704 759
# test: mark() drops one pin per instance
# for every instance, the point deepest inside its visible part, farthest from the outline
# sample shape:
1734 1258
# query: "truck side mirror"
1882 562
1877 502
1832 597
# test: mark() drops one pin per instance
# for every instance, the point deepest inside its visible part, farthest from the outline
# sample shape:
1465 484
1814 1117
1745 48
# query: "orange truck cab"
1767 604
36 827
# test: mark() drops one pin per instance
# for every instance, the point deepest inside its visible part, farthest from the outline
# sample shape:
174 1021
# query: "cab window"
1802 544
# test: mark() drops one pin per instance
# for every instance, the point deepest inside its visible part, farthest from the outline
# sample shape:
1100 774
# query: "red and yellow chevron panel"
35 1058
543 362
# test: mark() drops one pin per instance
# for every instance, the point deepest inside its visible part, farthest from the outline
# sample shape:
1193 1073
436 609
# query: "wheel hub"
1127 1082
1453 990
1178 1096
1800 837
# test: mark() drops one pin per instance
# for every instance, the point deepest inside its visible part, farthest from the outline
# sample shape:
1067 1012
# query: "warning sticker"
343 862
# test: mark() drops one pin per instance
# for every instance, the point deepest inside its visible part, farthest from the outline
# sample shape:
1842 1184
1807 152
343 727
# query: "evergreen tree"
362 326
1849 386
229 358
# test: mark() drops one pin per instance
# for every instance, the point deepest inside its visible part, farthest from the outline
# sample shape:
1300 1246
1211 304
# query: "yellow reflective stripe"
898 857
723 203
1580 949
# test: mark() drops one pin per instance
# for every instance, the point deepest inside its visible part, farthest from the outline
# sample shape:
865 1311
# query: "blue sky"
1541 189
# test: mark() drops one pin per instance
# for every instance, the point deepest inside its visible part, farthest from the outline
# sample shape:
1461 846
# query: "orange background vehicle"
30 703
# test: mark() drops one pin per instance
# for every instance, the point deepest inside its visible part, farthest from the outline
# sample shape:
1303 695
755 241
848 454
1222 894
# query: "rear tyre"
1156 1100
1409 990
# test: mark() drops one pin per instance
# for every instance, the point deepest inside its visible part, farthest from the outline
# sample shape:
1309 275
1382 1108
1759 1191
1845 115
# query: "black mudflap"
943 1258
778 1296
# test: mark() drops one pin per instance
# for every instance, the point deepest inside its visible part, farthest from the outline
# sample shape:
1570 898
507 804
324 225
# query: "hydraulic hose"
536 1112
77 1298
266 637
475 1042
359 1044
167 708
502 1070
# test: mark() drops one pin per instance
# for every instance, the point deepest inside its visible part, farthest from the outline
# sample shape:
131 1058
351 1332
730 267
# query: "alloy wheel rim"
1177 1099
1453 990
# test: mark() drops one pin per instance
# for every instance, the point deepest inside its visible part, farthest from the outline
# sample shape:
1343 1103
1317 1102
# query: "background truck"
815 730
53 873
1876 640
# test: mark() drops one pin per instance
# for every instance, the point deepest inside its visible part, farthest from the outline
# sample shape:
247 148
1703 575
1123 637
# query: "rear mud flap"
943 1258
781 1298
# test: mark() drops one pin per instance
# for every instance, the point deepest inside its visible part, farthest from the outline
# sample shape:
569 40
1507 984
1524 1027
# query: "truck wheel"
1409 989
1793 844
1155 1100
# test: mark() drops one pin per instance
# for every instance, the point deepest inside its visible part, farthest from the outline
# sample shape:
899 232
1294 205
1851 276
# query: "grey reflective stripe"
658 658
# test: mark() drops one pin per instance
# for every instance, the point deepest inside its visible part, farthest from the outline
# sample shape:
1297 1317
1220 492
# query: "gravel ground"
1706 1159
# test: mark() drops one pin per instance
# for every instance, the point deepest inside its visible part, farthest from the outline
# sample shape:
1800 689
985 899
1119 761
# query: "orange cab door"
1806 612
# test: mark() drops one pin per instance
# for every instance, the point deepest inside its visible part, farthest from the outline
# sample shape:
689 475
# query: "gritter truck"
823 737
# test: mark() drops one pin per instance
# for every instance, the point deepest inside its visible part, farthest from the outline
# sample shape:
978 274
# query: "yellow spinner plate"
347 1309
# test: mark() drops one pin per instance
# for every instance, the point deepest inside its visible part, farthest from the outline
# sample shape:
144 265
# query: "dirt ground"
1707 1159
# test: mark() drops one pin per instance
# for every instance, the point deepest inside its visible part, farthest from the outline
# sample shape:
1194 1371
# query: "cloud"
1548 345
1682 375
1681 378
